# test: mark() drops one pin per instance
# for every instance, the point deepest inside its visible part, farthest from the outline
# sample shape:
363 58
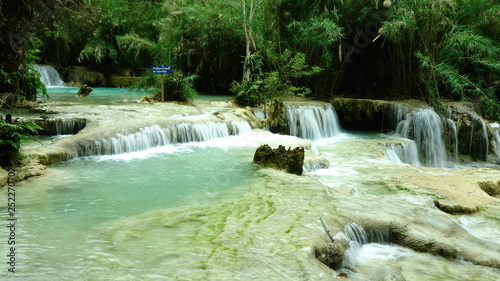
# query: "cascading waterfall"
154 136
426 129
49 76
479 141
312 122
406 152
357 237
453 141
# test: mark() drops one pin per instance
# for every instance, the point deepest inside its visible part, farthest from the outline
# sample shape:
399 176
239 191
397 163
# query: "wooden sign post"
162 70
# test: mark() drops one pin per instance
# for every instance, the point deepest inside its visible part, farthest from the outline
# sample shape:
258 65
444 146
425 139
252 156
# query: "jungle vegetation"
431 50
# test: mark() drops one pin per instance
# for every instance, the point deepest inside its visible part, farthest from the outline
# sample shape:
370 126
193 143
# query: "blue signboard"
161 69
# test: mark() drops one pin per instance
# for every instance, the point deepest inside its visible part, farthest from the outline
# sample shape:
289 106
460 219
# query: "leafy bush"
440 53
11 136
177 86
278 82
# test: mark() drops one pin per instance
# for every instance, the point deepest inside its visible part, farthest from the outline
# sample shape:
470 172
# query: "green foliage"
11 136
432 50
284 68
177 86
247 92
114 20
24 83
277 82
440 53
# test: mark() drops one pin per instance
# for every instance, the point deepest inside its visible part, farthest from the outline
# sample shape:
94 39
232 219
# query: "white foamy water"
312 122
201 210
49 76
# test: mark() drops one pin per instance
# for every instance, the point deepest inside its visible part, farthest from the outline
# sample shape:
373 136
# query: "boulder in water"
290 160
332 254
84 91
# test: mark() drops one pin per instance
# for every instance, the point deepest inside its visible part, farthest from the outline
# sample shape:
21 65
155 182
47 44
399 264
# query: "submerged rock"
289 160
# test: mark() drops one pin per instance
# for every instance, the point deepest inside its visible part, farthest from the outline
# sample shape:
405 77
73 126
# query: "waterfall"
69 126
357 237
49 76
154 136
259 113
453 140
312 122
426 129
238 128
406 152
479 141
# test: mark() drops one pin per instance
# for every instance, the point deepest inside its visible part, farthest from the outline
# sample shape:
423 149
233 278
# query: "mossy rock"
122 81
492 188
84 91
289 160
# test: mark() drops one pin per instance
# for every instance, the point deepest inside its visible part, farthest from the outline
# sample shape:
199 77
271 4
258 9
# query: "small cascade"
49 76
406 152
426 129
479 141
259 113
69 126
357 237
453 139
397 111
312 122
55 126
238 128
154 136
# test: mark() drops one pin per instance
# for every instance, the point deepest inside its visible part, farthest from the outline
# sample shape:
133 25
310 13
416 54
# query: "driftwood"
326 229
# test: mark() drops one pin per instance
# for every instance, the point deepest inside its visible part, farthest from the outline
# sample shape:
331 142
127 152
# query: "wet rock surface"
289 160
84 91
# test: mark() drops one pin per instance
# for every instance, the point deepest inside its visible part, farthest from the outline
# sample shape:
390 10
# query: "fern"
11 136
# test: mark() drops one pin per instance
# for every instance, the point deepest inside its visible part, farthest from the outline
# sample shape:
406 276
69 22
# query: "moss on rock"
290 160
492 188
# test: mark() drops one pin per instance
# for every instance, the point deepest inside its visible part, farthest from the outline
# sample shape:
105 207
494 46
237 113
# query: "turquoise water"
104 96
59 214
108 96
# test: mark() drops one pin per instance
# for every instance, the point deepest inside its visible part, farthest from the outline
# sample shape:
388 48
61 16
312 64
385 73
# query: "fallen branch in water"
326 229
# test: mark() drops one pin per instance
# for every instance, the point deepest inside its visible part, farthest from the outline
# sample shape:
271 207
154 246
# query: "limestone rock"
492 188
4 175
147 99
277 119
81 74
123 81
331 254
219 115
84 91
452 207
289 160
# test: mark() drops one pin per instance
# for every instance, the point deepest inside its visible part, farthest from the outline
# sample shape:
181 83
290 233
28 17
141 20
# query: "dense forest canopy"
432 50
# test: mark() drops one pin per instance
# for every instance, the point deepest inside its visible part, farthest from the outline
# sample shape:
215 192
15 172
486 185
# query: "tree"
275 80
248 10
20 24
439 53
